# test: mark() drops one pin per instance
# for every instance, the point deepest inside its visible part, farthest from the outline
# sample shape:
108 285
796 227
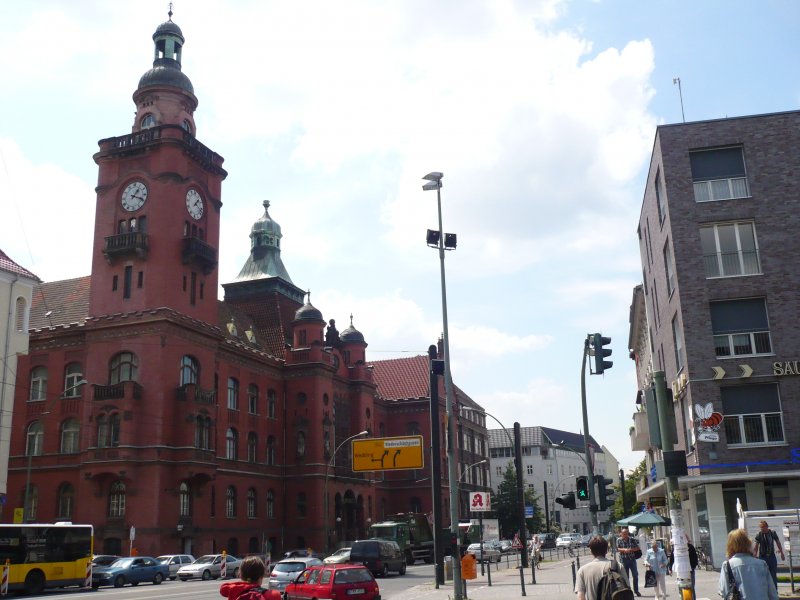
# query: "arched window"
271 401
38 383
123 367
271 450
233 393
70 436
185 498
108 431
202 436
190 371
251 503
301 444
73 373
230 502
270 504
186 125
231 443
21 316
148 121
66 501
252 442
301 504
326 442
35 439
252 399
116 500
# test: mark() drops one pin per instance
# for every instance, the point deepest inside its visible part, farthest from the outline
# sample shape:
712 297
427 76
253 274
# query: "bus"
46 555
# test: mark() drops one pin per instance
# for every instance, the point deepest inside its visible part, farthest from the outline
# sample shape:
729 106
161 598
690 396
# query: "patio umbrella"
644 519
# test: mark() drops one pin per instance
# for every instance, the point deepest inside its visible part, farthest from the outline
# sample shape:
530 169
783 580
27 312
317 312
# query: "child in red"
252 572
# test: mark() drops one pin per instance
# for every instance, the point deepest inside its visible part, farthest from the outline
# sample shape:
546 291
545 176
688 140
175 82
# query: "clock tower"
156 234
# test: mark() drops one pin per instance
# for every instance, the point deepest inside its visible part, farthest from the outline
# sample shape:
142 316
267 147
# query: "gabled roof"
571 440
402 378
60 303
9 266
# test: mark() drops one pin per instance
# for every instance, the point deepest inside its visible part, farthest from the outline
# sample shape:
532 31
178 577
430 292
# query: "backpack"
254 593
612 585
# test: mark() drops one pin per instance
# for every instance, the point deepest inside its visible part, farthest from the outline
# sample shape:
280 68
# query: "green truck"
411 531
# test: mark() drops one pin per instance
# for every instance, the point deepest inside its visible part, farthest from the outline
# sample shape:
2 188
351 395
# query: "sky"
540 113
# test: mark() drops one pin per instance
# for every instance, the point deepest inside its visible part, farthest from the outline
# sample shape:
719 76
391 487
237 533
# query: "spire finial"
308 293
266 204
351 319
169 14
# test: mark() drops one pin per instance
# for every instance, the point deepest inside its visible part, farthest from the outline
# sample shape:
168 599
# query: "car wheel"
158 579
206 575
402 569
236 573
385 571
34 582
119 581
172 578
134 583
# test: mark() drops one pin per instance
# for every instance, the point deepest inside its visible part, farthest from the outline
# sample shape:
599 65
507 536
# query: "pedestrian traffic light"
567 500
604 492
600 353
582 485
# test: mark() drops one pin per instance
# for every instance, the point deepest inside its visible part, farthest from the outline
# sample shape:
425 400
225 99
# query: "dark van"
379 556
547 540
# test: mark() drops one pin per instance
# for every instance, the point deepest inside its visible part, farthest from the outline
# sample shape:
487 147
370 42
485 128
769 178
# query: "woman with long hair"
744 571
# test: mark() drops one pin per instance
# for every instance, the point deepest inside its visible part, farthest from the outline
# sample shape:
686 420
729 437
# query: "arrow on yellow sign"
388 454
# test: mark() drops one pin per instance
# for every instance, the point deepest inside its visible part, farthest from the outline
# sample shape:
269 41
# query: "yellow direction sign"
388 454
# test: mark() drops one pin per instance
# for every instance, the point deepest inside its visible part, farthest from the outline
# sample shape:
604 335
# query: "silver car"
490 553
286 571
210 566
175 562
342 555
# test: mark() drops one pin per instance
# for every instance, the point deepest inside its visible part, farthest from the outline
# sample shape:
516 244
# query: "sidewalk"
553 580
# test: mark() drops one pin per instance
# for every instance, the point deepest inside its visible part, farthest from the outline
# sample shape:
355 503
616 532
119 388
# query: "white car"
209 566
568 540
491 553
286 571
342 555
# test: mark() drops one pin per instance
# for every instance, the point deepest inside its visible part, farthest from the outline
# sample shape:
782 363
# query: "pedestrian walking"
591 574
744 572
629 552
657 561
764 548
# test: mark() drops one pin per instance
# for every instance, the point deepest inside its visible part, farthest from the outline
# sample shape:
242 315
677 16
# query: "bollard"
533 568
4 585
573 574
489 572
578 560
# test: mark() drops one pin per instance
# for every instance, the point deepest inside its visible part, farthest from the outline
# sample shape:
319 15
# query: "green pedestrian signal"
582 485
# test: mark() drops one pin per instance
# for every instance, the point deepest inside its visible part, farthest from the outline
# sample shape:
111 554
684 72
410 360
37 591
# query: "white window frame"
740 418
719 256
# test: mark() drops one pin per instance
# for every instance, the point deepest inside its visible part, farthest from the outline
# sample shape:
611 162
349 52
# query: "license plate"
355 592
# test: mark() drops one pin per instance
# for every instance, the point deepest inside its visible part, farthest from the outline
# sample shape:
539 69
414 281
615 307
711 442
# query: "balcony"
196 251
732 264
640 434
195 393
125 244
118 391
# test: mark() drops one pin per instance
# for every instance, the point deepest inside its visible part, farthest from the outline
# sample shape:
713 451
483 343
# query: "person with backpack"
764 548
601 579
252 572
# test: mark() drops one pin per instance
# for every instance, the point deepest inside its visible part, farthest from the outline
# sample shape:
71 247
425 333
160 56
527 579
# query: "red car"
335 582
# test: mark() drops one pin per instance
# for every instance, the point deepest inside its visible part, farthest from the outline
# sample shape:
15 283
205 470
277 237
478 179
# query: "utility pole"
436 369
589 466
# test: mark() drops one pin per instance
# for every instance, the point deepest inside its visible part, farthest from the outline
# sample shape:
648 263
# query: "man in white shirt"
589 575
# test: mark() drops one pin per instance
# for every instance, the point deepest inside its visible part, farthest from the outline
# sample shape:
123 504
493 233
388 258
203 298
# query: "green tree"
504 504
631 479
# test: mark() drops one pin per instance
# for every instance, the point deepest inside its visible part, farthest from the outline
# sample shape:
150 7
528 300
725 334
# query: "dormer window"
148 121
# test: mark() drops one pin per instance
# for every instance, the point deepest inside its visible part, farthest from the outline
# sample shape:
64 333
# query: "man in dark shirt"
628 549
764 548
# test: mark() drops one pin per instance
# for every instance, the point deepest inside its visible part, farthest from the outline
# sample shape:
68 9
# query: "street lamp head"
365 432
434 181
434 176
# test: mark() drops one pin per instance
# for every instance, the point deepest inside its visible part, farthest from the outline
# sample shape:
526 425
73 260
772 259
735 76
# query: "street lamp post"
325 494
434 180
31 447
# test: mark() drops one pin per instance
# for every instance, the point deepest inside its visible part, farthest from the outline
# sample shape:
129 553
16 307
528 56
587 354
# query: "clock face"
194 204
133 196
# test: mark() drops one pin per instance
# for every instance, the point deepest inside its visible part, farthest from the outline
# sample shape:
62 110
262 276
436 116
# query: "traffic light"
600 353
567 500
582 485
604 492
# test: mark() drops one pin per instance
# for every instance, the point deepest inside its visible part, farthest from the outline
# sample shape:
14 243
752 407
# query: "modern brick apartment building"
717 312
146 402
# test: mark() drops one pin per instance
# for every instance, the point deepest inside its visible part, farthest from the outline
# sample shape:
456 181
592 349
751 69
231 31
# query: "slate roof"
9 266
66 301
542 436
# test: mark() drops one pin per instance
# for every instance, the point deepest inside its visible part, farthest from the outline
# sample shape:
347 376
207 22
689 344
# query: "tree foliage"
504 504
631 479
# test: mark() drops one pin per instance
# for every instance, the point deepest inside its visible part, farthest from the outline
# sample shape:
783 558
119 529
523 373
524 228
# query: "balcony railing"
117 391
731 264
123 244
195 393
197 251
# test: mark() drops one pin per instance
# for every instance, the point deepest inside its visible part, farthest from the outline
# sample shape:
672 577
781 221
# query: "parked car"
547 540
506 546
585 539
379 556
210 566
175 562
342 555
130 569
334 581
103 560
287 570
490 552
568 540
